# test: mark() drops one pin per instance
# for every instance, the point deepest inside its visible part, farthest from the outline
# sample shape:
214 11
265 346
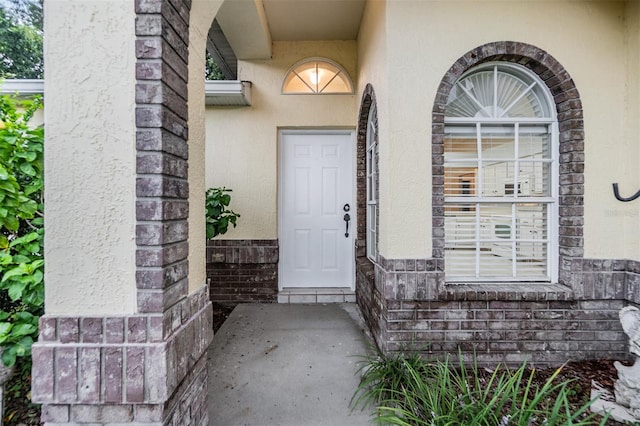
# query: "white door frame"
354 219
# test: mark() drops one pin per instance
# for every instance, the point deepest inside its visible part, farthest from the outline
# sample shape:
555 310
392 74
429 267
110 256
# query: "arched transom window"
500 177
317 76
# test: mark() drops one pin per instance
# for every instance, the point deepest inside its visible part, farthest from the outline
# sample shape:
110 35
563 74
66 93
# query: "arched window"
500 177
372 183
317 76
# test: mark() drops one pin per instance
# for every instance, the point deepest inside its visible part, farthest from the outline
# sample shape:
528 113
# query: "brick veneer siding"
242 270
147 368
409 306
368 296
633 281
544 332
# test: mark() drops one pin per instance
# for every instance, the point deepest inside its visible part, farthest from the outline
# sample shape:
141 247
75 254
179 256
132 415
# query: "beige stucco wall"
631 176
404 49
90 157
242 142
586 37
201 17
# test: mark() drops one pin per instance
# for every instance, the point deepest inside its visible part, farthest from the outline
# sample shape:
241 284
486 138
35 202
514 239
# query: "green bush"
409 390
21 227
218 215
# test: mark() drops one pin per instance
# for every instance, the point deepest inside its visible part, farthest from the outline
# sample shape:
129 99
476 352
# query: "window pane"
531 260
531 222
496 261
461 153
498 142
460 181
496 240
534 142
461 144
498 178
339 84
460 224
534 179
460 262
371 231
295 84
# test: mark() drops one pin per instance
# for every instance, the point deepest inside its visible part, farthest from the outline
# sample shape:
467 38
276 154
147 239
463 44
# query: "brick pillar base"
146 368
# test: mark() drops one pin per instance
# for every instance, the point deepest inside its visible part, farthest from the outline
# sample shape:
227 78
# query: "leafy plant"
21 227
409 390
218 215
212 70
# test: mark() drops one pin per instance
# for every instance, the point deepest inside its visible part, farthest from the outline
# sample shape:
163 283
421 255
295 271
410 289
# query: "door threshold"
316 295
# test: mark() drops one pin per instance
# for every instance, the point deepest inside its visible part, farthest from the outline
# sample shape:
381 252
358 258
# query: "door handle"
346 218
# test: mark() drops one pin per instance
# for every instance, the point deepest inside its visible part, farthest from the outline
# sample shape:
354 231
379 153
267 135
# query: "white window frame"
311 77
372 182
551 201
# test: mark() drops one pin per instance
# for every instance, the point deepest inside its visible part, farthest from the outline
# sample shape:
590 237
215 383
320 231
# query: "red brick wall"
242 270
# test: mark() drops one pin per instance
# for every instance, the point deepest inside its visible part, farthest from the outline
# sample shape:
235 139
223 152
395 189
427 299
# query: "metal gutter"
227 93
22 87
218 92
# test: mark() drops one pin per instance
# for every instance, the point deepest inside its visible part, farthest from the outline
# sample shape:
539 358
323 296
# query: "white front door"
316 192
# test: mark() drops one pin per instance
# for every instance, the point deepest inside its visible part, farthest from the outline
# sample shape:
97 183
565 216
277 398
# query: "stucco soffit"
245 25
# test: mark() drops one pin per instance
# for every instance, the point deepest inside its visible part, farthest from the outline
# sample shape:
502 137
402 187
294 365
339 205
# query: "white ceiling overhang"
249 27
245 25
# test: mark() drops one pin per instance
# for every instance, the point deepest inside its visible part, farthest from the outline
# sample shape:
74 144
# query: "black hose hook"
624 199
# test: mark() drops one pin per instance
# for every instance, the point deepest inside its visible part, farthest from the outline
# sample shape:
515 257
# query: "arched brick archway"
368 295
367 102
571 144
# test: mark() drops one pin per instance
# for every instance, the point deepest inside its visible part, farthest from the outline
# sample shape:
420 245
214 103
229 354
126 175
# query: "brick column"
149 367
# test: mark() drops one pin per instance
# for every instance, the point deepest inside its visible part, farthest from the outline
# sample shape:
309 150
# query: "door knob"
346 218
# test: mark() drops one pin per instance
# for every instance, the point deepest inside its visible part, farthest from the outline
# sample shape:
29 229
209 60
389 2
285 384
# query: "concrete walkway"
277 364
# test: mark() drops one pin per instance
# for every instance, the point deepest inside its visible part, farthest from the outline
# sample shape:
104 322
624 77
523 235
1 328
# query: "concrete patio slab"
276 364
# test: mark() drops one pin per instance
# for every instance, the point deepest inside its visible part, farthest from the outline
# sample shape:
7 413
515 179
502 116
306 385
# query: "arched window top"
317 76
499 91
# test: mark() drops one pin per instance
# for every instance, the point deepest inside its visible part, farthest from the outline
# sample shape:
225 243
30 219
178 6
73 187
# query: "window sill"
507 291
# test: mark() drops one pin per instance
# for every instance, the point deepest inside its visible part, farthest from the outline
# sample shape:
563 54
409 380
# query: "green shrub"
409 390
218 215
21 227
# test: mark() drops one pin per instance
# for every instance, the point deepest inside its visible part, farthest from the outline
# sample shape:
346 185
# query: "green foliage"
21 39
21 228
212 70
409 390
218 215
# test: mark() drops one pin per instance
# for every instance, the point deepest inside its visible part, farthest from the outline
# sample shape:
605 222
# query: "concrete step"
316 295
